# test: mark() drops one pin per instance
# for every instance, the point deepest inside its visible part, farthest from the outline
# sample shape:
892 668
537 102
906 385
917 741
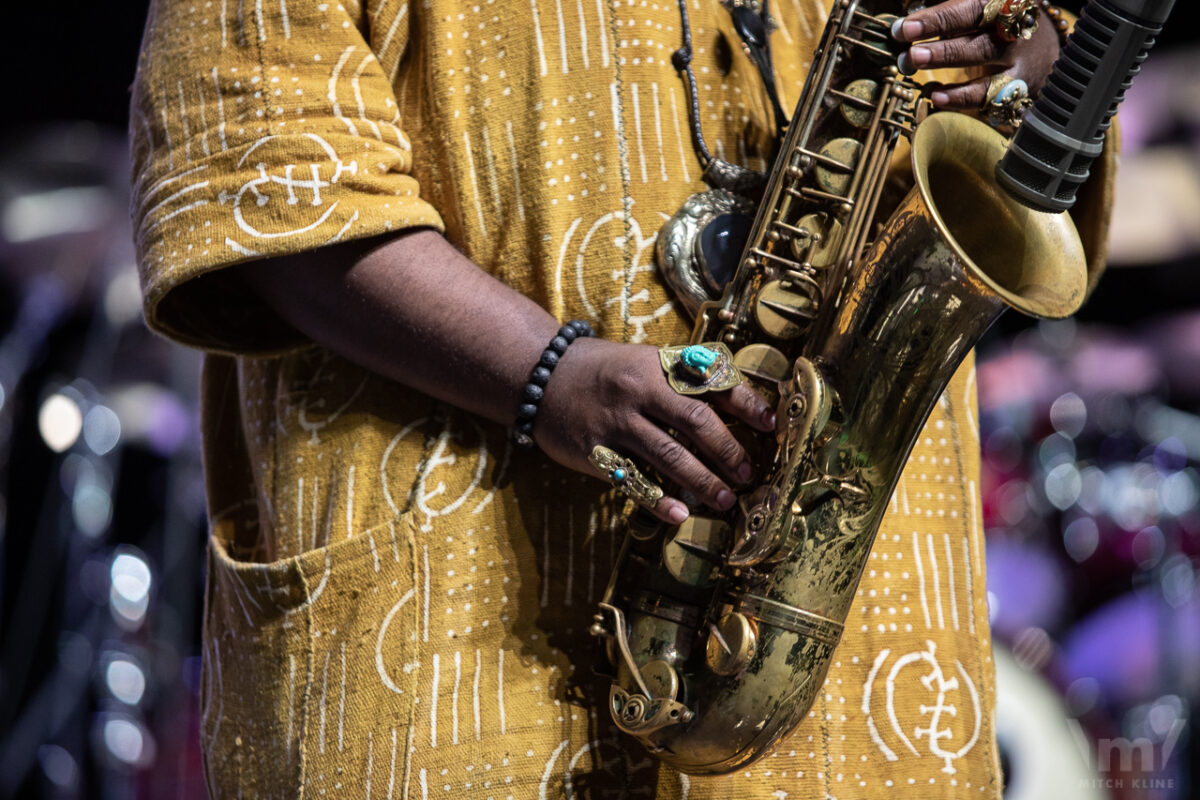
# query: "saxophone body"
719 632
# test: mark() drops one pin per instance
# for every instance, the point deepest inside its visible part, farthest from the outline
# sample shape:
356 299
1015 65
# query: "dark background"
68 69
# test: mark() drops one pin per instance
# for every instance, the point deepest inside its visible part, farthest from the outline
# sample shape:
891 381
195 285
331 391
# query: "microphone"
1050 155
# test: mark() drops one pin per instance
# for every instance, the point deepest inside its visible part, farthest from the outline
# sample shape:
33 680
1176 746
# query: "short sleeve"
259 130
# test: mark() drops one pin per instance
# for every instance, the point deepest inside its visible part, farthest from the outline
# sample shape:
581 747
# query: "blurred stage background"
1090 431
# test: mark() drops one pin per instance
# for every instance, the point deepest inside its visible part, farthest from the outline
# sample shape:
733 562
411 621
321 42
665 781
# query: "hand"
616 395
359 298
953 34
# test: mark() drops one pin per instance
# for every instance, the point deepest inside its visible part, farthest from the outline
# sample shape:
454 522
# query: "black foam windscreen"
1051 154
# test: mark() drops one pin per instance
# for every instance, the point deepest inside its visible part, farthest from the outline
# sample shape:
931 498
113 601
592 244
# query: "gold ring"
1006 101
699 368
1015 19
991 8
621 473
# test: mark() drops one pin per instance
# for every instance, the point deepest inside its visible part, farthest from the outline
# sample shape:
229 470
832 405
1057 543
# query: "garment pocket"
306 661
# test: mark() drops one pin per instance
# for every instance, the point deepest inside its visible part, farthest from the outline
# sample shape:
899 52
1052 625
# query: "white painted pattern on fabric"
679 138
433 700
324 690
370 760
383 628
562 36
516 170
474 185
544 785
966 546
500 687
454 697
537 29
637 128
921 579
868 686
950 581
331 91
937 582
342 703
475 696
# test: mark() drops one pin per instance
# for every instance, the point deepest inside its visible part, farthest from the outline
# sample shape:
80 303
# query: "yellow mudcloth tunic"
398 600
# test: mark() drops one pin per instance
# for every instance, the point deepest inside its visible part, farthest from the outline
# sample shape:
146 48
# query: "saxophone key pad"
731 644
860 109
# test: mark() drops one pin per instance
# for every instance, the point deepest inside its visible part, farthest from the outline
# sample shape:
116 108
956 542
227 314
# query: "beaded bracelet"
1061 25
531 395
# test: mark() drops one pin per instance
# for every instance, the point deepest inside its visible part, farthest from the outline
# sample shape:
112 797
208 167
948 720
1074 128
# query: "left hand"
952 34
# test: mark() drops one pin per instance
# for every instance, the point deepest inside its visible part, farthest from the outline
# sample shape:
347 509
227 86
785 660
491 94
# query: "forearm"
413 309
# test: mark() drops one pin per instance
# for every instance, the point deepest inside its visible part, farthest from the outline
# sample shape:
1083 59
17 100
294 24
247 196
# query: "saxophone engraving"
721 630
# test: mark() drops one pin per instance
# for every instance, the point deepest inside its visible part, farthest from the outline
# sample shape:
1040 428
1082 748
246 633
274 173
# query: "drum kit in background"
101 500
1090 492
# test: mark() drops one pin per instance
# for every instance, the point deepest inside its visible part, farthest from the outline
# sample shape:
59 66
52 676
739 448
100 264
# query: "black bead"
681 58
523 433
533 391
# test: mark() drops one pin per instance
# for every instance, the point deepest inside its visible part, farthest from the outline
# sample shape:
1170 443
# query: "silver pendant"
698 248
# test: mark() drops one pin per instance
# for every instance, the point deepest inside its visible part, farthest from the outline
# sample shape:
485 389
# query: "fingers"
951 18
747 405
697 423
671 511
675 462
961 96
962 51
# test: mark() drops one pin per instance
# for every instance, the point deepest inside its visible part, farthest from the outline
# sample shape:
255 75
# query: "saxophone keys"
661 679
765 367
692 556
782 314
858 105
641 716
731 644
817 237
755 543
836 166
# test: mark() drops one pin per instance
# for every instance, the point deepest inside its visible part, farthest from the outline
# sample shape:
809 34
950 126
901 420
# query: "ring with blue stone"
699 368
621 473
1006 101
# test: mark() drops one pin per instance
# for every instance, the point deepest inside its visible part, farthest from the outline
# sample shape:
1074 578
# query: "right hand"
605 393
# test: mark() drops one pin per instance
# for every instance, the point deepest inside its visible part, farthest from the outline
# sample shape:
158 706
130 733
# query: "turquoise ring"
621 473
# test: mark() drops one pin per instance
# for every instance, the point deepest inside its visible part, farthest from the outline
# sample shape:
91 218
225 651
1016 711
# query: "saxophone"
719 632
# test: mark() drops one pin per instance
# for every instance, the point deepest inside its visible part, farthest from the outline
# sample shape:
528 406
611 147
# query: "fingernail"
677 514
745 472
939 99
898 28
912 29
920 55
725 499
768 419
905 65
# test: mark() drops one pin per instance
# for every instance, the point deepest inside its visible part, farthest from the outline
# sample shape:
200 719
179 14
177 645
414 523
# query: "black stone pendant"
720 246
